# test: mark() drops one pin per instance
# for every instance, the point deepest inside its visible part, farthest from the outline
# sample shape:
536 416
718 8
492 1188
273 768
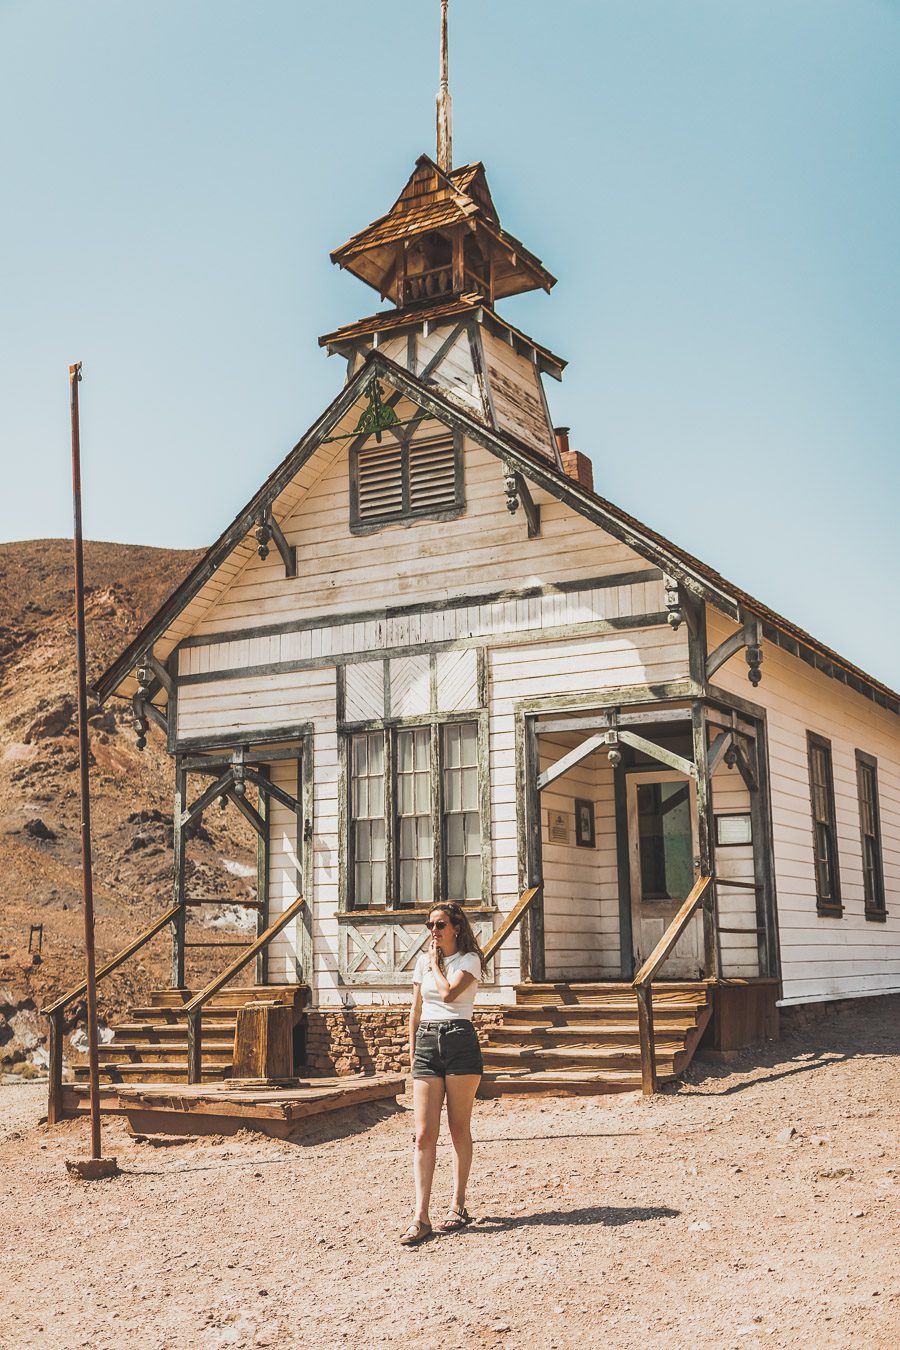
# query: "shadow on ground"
608 1216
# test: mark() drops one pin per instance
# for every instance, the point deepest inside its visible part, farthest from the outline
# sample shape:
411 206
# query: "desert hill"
131 791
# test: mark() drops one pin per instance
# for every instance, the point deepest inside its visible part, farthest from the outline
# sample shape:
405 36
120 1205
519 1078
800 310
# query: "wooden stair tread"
217 1048
566 1055
584 1029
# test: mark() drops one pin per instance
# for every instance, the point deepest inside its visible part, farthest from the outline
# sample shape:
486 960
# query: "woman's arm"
449 990
415 1016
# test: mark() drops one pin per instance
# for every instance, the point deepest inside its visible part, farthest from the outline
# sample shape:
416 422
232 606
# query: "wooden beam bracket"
269 531
749 638
518 492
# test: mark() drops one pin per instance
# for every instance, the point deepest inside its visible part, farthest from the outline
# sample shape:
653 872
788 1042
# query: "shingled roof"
433 200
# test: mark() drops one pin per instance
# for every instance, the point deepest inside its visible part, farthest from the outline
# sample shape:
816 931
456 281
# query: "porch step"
232 996
173 1031
667 1011
536 1057
693 992
151 1045
170 1050
555 1083
585 1033
578 1039
173 1071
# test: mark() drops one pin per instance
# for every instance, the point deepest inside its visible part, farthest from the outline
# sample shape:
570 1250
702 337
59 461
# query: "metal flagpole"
98 1166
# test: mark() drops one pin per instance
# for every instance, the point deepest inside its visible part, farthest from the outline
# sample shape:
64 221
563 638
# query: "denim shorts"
445 1049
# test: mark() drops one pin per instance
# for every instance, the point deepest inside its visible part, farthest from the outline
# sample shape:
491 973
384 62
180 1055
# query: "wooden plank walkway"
273 1108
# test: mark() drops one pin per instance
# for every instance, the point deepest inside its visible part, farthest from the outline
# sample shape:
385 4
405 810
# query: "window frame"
390 730
875 911
371 524
827 906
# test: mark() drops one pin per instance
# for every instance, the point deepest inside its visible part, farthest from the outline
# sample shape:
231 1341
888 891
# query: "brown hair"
466 941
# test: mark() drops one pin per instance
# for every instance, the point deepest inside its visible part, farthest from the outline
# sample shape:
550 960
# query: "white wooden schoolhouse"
429 662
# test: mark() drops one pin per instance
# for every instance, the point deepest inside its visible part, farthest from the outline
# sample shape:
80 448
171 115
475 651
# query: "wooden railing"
512 920
56 1010
650 969
194 1009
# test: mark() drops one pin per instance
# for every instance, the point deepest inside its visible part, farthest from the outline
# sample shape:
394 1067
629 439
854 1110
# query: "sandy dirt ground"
756 1206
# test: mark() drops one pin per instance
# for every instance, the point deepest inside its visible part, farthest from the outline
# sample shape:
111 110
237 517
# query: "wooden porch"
269 1107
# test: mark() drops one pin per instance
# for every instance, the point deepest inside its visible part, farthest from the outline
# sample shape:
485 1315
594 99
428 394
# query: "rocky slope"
131 791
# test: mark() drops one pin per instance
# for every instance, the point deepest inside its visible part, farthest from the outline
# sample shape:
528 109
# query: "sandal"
456 1219
417 1232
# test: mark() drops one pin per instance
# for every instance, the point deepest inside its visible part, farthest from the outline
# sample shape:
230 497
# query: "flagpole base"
92 1169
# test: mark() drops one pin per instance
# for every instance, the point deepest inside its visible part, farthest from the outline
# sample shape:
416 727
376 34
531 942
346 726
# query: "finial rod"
444 101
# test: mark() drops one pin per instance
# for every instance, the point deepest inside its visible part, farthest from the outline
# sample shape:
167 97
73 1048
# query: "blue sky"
715 183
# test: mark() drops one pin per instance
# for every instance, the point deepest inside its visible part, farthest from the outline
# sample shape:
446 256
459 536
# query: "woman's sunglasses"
436 923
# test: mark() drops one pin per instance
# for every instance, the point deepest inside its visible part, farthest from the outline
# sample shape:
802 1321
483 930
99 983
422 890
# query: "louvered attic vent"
391 482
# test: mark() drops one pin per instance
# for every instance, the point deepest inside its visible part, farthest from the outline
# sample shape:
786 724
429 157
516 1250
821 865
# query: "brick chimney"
575 464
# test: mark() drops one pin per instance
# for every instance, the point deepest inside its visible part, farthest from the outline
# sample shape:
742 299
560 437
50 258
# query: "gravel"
694 1219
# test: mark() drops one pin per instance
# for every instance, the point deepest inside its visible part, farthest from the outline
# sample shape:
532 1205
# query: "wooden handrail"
692 903
513 918
194 1009
55 1011
650 969
116 961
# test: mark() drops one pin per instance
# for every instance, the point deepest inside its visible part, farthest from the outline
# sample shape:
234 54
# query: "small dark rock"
36 829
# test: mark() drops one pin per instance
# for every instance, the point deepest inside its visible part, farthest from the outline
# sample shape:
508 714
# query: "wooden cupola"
442 239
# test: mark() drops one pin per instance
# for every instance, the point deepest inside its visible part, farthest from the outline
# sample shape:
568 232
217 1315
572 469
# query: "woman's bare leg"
461 1089
428 1098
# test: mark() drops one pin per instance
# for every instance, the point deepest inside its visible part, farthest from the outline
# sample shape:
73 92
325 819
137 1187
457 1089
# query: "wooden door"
664 855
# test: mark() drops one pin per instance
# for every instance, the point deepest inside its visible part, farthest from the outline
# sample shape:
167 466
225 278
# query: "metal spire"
444 101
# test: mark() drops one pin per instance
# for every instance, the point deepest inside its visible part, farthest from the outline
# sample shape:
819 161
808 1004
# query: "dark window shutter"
432 475
380 482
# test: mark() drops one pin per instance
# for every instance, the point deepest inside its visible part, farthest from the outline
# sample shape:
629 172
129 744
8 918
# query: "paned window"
462 817
369 835
415 827
870 831
414 817
393 481
821 788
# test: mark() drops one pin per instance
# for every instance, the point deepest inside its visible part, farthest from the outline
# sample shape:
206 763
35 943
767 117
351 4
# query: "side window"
821 788
870 832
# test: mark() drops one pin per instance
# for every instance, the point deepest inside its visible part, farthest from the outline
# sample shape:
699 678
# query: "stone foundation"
366 1040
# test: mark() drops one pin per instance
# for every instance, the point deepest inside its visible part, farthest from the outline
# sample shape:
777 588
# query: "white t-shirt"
434 1009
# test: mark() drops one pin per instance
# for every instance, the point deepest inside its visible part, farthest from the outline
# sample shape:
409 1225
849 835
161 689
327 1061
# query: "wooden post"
648 1049
84 770
178 897
705 838
54 1095
531 805
195 1045
262 880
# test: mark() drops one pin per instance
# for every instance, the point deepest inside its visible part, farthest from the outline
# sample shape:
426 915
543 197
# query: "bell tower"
443 260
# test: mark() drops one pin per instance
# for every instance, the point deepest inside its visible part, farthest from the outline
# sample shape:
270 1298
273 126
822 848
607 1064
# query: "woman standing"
446 1061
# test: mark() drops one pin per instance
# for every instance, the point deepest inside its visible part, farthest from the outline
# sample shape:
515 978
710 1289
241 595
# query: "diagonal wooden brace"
749 637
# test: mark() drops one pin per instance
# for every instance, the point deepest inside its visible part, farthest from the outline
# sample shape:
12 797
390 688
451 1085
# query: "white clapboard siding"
588 609
737 907
825 957
485 549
